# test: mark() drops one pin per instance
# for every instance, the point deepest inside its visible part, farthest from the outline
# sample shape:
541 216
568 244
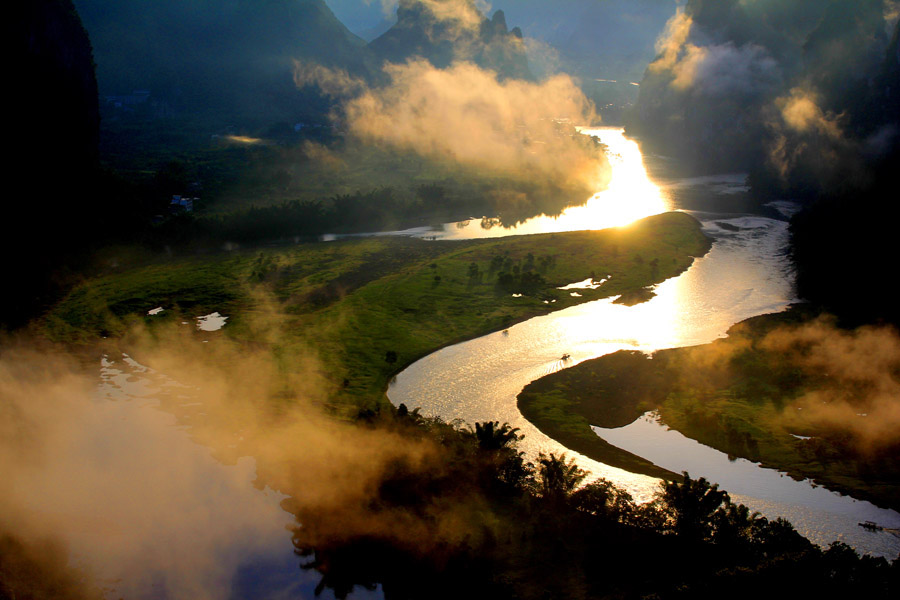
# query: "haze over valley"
445 298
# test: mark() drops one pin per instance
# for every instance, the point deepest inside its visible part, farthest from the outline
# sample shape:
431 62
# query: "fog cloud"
465 14
802 134
712 69
670 43
149 511
463 114
856 372
801 113
467 115
333 82
727 69
891 14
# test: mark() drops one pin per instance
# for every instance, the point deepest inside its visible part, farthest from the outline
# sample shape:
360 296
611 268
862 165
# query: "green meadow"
368 307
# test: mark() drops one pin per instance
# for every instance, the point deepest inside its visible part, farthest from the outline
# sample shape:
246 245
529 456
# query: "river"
747 273
154 514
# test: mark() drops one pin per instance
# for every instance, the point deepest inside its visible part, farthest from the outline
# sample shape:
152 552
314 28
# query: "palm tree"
603 498
503 467
736 526
493 436
558 477
691 505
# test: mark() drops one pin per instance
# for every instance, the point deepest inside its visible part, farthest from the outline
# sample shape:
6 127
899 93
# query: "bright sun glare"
630 195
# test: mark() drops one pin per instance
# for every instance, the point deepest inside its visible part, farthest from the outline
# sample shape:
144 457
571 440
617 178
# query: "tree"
691 505
473 270
735 526
603 498
503 470
493 436
558 477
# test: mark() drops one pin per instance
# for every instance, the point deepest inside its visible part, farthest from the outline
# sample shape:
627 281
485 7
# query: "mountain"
444 31
56 95
803 96
230 59
53 130
737 82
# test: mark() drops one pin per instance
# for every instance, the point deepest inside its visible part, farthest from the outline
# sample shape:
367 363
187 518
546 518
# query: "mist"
856 381
822 380
465 115
476 108
786 90
125 470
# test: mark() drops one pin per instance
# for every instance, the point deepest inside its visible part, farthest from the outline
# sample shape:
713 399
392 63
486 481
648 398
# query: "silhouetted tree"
604 499
691 505
558 477
736 527
493 436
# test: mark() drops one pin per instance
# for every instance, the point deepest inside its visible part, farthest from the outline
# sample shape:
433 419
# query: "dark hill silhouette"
54 125
443 39
232 59
610 39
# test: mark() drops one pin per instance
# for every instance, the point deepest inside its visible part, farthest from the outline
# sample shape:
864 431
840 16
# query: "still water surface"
746 273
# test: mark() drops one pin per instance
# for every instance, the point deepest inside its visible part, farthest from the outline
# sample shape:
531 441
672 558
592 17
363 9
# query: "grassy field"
368 307
736 394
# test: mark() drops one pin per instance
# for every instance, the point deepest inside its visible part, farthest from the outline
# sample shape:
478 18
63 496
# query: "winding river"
157 516
745 274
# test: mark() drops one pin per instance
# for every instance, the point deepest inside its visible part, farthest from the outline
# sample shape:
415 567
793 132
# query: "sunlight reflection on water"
630 196
479 380
747 273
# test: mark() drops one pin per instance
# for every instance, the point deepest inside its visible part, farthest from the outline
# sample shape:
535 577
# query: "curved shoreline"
651 386
480 379
603 292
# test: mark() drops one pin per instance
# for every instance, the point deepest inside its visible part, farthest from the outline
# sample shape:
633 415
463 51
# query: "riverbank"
762 394
365 308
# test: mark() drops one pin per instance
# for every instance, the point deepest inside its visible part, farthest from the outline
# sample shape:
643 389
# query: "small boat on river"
871 526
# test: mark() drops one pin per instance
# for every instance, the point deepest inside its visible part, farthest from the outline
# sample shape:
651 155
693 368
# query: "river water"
232 543
747 273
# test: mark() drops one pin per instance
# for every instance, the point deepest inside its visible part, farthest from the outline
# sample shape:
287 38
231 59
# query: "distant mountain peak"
499 21
447 31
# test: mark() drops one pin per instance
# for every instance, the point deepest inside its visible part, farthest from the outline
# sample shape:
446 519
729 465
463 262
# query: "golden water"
746 273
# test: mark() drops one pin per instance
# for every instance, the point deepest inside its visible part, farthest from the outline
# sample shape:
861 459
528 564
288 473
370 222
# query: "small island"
790 390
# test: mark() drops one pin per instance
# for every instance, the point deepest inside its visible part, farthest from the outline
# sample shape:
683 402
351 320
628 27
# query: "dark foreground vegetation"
473 517
482 518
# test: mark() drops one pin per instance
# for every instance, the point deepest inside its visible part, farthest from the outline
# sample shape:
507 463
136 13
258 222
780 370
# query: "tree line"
536 530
